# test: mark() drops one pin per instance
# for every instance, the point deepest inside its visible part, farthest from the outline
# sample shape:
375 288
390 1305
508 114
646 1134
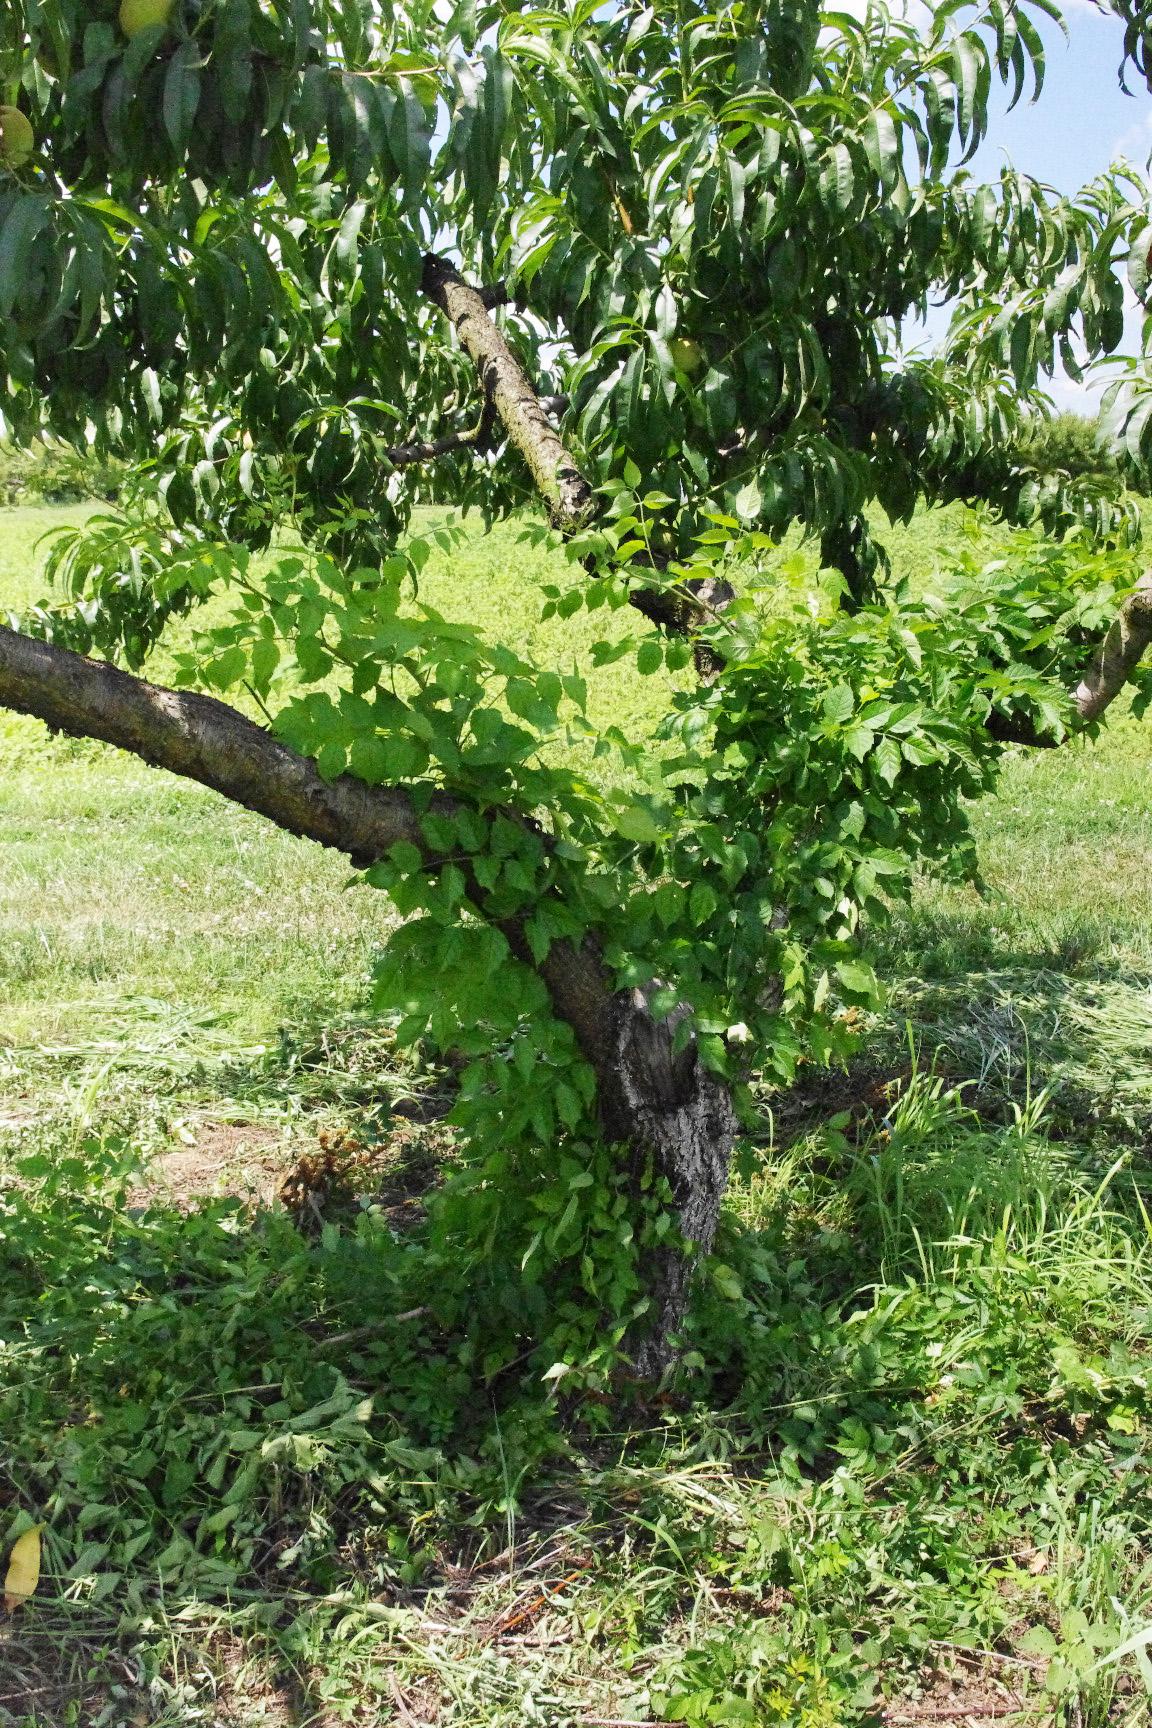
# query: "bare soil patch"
980 1691
316 1179
219 1159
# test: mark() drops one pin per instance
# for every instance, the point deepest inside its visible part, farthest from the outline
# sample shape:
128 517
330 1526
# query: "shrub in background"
57 474
1072 445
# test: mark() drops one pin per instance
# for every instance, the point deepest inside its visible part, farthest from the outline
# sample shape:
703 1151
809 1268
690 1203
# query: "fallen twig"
962 1713
509 1621
372 1331
975 1657
620 1722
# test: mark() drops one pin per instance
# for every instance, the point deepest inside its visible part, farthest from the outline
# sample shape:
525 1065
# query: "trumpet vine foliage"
641 276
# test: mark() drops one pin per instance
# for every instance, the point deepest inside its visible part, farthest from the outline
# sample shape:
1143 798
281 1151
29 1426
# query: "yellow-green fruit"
137 15
17 139
687 356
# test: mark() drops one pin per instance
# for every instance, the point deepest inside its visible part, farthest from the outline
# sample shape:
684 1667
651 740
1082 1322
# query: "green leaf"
27 216
886 760
966 64
856 979
634 823
181 94
702 903
406 857
1140 250
882 147
409 140
839 178
840 702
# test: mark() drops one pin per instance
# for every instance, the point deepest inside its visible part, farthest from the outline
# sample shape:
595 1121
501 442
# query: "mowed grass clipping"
914 1484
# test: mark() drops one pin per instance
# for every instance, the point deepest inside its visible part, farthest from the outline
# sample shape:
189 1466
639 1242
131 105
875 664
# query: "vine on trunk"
673 257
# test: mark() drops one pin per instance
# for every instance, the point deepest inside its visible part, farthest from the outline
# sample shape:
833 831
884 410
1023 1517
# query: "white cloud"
1073 398
1136 143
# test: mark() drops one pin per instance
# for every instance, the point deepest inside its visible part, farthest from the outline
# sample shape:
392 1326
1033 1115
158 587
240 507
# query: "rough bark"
563 489
1119 654
1127 641
667 1111
663 1108
682 1117
206 741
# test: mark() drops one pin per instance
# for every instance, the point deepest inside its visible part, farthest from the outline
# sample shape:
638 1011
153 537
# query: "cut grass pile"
910 1485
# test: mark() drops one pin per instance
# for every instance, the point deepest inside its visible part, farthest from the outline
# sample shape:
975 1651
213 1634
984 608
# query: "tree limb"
206 740
1119 654
566 493
478 439
564 489
1127 641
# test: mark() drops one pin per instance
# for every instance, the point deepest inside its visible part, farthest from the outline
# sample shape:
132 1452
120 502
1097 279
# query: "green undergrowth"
320 1465
915 1417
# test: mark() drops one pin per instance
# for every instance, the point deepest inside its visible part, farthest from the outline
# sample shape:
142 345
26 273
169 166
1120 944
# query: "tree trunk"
668 1113
670 1110
663 1109
657 1103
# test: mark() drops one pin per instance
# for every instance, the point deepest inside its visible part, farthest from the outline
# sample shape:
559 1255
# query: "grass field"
927 1501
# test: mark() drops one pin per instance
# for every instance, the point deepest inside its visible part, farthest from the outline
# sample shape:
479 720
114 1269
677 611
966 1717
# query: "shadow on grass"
212 1406
1023 1007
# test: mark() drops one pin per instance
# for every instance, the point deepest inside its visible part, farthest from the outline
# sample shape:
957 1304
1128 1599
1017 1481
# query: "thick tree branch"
1120 653
207 741
203 739
1127 641
566 493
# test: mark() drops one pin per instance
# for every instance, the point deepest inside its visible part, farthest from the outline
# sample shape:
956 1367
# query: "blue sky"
1082 122
1083 119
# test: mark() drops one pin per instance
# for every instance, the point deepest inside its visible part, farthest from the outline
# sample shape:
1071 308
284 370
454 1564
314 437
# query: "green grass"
923 1447
120 884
